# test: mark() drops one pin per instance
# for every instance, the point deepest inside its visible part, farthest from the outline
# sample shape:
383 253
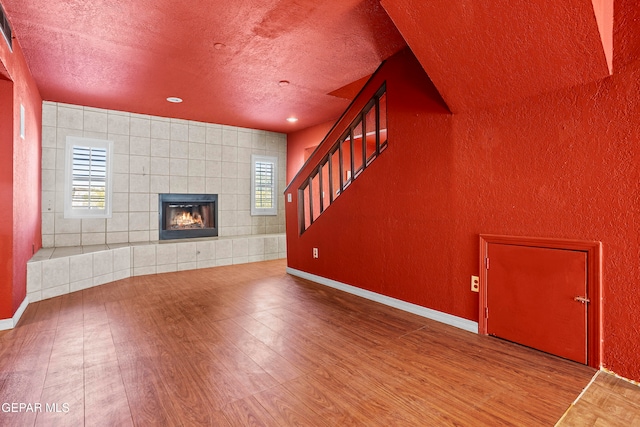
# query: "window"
362 142
264 185
5 28
87 178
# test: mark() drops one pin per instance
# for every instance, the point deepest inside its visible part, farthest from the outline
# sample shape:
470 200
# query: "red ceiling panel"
224 59
481 53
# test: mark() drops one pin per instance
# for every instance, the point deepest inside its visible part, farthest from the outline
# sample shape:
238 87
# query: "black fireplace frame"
164 199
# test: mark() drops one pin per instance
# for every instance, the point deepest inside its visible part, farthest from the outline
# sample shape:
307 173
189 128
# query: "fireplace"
184 216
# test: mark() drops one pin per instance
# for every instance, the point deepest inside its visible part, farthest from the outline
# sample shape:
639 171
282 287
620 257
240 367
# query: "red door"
531 298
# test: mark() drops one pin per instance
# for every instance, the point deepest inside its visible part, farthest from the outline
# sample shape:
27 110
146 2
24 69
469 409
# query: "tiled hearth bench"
58 271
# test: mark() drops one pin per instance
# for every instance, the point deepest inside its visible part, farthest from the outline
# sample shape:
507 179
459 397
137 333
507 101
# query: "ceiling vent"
6 28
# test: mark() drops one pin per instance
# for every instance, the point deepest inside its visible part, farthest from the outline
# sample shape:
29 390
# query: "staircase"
356 148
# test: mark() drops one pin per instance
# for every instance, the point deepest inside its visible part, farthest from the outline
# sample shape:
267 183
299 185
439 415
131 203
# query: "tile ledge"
67 251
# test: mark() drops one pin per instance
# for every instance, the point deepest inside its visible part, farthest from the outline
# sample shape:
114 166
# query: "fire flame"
185 219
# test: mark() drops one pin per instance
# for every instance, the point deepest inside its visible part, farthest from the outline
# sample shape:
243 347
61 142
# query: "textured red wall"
19 180
493 52
561 165
298 141
6 198
626 32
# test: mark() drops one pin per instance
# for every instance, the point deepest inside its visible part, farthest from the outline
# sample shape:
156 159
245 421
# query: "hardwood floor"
250 345
608 401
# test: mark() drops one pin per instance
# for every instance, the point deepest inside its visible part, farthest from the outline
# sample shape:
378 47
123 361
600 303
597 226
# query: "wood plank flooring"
608 401
249 345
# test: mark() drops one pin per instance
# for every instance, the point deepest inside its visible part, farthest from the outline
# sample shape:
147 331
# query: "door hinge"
486 312
486 263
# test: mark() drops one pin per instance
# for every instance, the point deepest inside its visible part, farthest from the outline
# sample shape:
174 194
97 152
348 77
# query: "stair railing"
360 144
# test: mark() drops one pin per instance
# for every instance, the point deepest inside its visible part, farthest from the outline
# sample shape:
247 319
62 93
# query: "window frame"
87 213
258 211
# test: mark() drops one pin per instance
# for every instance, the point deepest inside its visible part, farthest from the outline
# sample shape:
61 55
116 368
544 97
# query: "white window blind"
89 175
264 185
87 192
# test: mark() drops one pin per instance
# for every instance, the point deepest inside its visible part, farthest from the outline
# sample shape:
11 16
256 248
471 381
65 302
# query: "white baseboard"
438 316
11 323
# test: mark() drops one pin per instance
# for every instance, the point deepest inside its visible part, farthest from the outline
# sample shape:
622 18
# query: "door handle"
582 300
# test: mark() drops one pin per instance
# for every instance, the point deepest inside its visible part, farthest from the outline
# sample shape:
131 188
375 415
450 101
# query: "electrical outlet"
315 252
289 197
475 283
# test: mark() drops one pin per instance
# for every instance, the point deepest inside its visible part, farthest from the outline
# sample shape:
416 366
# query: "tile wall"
155 155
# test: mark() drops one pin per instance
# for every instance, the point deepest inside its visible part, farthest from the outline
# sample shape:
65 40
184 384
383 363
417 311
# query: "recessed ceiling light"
292 119
174 99
283 83
218 46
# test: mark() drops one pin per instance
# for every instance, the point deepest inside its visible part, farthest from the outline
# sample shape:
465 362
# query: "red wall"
6 196
563 165
20 185
298 142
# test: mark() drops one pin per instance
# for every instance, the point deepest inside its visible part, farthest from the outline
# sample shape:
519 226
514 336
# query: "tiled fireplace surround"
152 155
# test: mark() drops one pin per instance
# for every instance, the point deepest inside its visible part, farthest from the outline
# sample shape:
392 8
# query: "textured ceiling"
226 59
483 53
132 54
